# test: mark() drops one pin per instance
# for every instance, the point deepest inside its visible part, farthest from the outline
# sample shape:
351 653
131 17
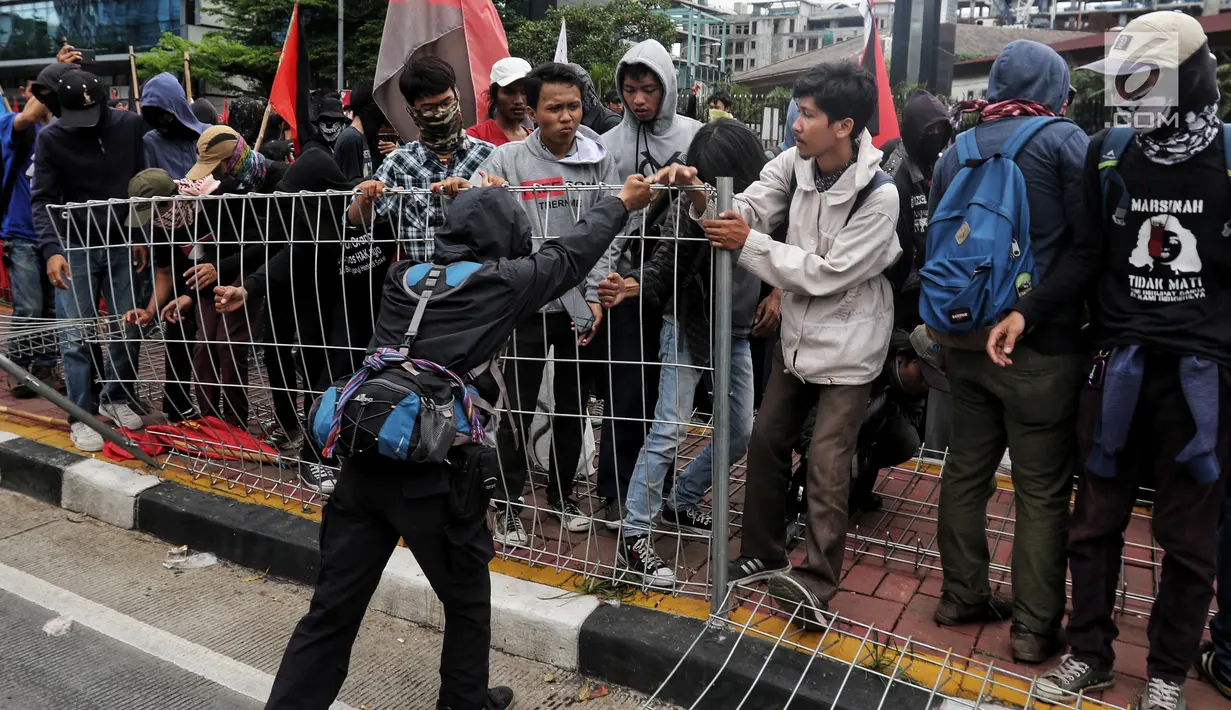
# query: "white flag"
562 46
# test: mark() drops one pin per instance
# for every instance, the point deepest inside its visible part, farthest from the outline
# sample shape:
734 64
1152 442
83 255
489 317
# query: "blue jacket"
18 218
788 136
175 153
1052 163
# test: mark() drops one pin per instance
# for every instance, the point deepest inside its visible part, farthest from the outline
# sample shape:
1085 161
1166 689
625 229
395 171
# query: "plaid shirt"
416 218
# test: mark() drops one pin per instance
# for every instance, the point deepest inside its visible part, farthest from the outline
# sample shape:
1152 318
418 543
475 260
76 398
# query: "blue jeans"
676 385
33 301
96 272
1220 625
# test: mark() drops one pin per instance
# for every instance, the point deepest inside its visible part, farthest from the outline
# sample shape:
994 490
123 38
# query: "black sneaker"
950 611
1071 678
499 698
691 519
612 513
1029 647
637 557
571 517
1211 672
318 477
793 597
1162 694
751 569
508 528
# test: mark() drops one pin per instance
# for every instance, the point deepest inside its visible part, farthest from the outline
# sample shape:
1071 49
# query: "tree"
598 35
210 60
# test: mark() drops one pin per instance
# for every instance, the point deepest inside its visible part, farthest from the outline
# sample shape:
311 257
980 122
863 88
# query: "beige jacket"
837 307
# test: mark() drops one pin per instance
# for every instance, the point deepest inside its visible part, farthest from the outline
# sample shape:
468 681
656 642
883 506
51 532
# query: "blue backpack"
979 261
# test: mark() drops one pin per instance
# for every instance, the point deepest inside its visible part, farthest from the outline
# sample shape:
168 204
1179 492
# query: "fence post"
721 441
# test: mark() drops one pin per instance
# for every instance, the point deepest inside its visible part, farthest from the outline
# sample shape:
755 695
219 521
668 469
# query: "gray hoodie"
645 147
554 211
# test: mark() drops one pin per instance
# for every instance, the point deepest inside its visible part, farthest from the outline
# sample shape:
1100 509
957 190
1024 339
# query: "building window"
812 44
754 28
30 30
983 93
790 44
970 95
752 63
792 26
752 46
739 65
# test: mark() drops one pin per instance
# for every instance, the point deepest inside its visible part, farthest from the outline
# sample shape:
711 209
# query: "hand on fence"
636 193
229 298
585 338
141 257
492 180
769 315
1004 336
68 54
139 316
729 231
683 176
57 271
450 187
386 147
201 275
171 313
369 191
612 290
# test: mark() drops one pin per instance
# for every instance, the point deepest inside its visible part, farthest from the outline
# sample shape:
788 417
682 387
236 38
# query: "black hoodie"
914 180
81 164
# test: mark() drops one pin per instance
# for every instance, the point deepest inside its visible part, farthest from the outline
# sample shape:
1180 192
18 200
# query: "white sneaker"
509 529
570 516
121 415
85 438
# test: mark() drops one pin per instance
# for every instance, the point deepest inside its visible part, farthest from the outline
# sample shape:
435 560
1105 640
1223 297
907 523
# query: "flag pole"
290 27
135 99
187 76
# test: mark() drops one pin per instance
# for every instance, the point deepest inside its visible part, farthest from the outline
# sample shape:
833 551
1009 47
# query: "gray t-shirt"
351 153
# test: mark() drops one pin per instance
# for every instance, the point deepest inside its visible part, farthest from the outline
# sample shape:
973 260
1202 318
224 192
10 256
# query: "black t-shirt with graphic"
1161 280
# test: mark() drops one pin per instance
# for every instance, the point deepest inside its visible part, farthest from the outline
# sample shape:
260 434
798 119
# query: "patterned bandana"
969 114
246 165
826 181
1199 131
440 132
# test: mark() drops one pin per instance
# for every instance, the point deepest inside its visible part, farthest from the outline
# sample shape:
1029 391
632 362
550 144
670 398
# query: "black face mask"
931 145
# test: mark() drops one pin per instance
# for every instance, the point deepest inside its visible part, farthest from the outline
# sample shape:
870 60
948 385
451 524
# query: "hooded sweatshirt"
837 306
176 150
1052 164
554 211
913 178
594 114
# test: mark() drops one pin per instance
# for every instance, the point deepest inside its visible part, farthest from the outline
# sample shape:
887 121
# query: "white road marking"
194 658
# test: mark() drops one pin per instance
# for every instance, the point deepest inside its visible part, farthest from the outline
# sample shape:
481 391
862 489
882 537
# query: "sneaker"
1073 677
318 477
595 410
1162 695
508 528
19 389
85 438
793 597
499 698
570 516
285 442
1029 647
691 519
753 569
612 513
50 376
637 556
121 414
952 612
1211 672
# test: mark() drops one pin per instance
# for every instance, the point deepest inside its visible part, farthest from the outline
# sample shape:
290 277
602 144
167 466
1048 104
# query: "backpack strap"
1115 143
879 179
1022 135
968 149
429 283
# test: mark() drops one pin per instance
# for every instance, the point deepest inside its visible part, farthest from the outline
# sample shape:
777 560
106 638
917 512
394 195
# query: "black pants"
179 340
631 381
362 522
1185 523
523 378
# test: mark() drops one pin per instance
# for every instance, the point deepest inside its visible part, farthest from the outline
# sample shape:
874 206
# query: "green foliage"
244 54
1224 89
1088 109
597 34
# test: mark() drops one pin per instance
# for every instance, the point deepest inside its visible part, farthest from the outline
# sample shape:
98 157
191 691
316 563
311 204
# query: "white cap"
510 69
1162 39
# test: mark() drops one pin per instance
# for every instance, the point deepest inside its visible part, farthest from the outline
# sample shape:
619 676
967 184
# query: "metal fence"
259 367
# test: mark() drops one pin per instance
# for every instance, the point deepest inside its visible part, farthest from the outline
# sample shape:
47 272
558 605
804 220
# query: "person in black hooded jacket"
379 499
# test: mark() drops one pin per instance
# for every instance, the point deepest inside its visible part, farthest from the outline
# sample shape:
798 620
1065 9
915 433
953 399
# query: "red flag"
289 96
884 123
465 33
226 112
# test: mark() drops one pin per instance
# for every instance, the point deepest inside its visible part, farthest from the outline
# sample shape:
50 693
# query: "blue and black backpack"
978 258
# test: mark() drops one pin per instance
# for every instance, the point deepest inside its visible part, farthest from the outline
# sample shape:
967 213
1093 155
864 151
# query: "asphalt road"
143 636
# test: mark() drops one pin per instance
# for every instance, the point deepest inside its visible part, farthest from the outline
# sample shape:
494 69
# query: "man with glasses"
442 151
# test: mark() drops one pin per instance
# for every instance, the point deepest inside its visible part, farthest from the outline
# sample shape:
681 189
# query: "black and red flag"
884 123
290 94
